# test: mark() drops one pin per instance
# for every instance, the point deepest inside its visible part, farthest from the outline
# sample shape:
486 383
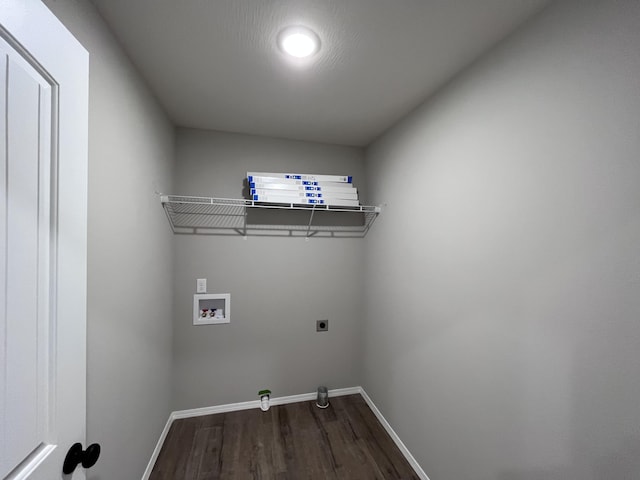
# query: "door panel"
27 164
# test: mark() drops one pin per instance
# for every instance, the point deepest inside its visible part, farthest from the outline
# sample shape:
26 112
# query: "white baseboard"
304 397
156 451
234 407
394 436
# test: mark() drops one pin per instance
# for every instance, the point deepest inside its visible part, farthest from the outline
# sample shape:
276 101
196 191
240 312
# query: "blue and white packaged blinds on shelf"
301 176
303 188
307 193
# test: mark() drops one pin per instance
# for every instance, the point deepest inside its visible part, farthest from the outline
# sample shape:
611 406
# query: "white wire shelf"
229 216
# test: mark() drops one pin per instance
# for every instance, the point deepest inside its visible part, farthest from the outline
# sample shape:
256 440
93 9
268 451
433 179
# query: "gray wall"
279 286
508 258
129 254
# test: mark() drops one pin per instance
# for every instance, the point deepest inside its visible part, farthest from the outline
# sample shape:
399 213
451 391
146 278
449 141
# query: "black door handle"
76 455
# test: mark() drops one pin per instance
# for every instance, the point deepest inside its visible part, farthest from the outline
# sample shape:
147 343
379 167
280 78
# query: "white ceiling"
214 64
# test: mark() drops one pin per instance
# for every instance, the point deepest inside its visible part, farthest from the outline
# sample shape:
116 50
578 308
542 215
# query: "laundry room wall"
279 286
507 256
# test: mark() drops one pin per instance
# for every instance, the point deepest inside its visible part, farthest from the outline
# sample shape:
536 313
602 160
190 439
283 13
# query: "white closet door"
43 156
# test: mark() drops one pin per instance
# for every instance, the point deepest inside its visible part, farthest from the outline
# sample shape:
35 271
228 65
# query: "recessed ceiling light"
299 42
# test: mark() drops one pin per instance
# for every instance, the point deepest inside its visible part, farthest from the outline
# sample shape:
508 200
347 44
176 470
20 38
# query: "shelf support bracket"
244 222
313 210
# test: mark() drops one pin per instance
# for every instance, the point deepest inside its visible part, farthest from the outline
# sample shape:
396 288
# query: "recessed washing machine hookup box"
211 308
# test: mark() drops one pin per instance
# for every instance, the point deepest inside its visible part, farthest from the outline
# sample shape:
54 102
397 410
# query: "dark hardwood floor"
294 442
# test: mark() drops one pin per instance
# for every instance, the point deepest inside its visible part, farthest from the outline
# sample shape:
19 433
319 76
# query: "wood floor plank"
297 441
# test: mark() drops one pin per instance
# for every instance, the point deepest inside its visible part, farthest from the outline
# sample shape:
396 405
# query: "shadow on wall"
623 463
559 473
625 460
